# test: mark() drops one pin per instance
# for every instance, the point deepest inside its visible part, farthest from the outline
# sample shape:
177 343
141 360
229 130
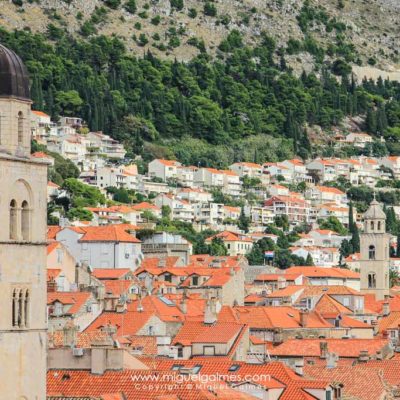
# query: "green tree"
79 214
210 9
217 247
309 260
166 212
130 6
243 221
177 4
69 102
333 224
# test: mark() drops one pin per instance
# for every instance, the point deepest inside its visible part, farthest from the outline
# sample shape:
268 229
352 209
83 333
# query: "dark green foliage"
217 247
203 111
82 195
130 6
177 4
244 221
80 214
114 4
210 9
192 13
333 224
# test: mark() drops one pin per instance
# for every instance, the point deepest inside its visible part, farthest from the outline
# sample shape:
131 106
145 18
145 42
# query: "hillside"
239 101
178 28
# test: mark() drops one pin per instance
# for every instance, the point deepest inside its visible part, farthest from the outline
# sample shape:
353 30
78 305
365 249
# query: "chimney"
69 334
120 307
386 309
363 357
51 286
323 347
184 306
303 318
331 360
298 367
278 336
210 315
281 282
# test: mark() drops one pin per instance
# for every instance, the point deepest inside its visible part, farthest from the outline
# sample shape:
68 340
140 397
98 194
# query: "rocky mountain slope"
181 28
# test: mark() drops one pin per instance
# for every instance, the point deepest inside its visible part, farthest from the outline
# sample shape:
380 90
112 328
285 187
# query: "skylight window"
234 367
166 301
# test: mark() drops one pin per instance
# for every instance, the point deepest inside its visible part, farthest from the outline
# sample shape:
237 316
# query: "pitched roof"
198 332
341 347
262 317
75 299
108 233
364 381
110 273
228 236
320 272
328 189
168 163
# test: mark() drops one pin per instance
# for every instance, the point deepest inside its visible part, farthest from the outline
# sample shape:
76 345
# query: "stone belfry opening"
23 203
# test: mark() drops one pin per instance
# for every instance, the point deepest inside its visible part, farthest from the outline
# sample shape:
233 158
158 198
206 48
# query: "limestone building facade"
23 183
374 249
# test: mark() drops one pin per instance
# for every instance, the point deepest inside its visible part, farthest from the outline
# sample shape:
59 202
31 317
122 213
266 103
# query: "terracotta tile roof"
52 184
328 189
232 209
41 154
285 199
40 113
83 339
286 292
349 322
392 321
127 323
146 344
329 306
52 246
110 273
280 375
316 272
52 232
52 273
108 233
145 206
228 236
276 277
198 332
342 347
261 317
76 299
157 306
248 164
153 262
168 163
363 381
118 287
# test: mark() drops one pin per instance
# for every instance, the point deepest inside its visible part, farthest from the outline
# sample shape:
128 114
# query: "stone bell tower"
23 183
374 247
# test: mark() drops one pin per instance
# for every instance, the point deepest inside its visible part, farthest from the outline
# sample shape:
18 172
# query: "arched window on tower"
371 252
372 280
14 308
20 127
26 308
13 220
372 225
20 309
25 221
379 226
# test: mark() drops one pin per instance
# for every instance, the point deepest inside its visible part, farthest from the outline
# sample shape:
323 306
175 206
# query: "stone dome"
14 78
374 211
